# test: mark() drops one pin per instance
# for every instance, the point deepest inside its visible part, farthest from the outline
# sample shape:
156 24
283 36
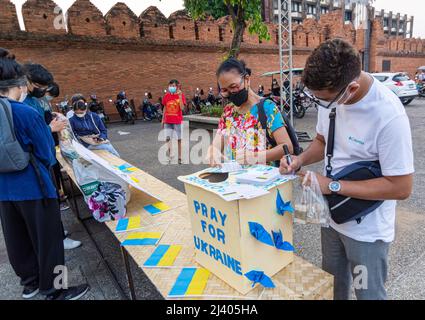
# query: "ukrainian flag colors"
163 256
142 239
156 208
190 282
129 224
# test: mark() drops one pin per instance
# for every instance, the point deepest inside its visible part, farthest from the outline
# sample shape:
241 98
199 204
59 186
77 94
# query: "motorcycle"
195 105
421 90
124 109
151 111
97 107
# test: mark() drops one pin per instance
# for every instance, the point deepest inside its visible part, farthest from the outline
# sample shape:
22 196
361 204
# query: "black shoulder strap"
331 142
263 120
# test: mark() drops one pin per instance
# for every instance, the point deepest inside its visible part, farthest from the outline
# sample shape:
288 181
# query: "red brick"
8 16
43 16
85 19
122 22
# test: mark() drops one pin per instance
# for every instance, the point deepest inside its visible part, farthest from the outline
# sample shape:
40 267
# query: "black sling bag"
344 209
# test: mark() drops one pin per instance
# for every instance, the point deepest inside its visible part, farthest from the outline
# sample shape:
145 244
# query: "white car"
400 84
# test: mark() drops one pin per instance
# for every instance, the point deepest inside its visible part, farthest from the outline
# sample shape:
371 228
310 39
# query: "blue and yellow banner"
129 224
142 239
190 282
156 208
163 256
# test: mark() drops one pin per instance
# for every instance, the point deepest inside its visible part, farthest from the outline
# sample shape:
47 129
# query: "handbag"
344 209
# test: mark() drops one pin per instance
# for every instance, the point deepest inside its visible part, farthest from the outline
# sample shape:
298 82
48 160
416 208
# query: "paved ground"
140 147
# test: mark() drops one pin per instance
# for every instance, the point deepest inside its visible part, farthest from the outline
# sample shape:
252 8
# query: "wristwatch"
335 187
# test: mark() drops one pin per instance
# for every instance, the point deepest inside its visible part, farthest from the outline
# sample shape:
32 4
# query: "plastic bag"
310 205
97 185
108 202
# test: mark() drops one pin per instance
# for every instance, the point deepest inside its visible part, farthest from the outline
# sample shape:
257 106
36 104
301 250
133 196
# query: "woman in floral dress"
240 136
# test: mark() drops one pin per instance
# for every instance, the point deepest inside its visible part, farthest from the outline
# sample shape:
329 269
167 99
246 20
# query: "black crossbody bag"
344 209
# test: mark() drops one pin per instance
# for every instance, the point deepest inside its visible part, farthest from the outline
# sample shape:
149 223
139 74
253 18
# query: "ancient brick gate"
120 51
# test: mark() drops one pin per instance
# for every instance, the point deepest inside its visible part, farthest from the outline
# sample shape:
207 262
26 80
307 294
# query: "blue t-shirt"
31 131
35 104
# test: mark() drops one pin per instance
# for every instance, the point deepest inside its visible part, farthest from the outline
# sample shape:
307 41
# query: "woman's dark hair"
80 105
234 64
38 74
9 68
54 90
77 97
174 81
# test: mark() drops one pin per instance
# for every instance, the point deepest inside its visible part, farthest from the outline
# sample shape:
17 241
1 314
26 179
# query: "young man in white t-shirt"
371 124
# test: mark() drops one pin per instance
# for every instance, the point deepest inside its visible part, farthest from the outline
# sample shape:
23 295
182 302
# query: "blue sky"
409 7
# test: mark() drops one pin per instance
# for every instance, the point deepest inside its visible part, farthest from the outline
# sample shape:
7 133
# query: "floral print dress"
244 131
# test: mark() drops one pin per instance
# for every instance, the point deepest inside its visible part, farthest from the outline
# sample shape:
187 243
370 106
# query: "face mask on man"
81 115
24 94
172 90
49 98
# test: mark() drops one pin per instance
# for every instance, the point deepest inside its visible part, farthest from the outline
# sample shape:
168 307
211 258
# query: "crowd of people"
30 198
353 129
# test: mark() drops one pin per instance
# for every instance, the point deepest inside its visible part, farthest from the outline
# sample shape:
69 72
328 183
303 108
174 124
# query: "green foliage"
244 14
212 111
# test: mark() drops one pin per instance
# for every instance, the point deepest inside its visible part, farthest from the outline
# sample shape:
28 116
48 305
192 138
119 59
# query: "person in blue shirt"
29 209
39 87
89 129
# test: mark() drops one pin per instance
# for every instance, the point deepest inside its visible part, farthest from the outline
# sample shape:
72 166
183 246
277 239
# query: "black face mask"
239 98
38 93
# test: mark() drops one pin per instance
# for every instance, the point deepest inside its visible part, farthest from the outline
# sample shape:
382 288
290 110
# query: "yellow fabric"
144 235
170 256
161 206
198 283
134 222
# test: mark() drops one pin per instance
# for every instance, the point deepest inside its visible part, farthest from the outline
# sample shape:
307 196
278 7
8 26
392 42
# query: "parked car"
400 84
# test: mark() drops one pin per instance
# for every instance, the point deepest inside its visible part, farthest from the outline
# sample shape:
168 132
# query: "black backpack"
289 128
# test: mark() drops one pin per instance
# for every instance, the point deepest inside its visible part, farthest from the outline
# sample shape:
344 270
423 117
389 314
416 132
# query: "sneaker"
70 244
64 206
72 293
30 290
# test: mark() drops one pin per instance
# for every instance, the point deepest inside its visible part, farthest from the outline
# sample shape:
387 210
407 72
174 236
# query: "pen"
287 155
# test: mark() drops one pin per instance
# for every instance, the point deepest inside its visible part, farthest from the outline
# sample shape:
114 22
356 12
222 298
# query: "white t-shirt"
375 128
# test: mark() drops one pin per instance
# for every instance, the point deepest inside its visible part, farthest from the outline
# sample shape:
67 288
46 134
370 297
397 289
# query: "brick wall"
120 51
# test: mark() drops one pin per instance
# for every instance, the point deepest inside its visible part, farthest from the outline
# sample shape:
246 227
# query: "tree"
245 14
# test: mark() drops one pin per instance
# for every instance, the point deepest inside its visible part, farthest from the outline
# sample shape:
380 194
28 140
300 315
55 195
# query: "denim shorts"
173 131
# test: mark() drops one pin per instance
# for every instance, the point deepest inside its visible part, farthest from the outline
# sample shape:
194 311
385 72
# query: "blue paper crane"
280 244
283 206
259 277
259 233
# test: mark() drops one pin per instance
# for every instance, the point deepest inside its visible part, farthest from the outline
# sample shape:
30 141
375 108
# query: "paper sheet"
92 157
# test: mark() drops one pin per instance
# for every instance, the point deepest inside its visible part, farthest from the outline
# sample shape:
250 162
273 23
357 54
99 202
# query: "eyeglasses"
323 103
227 94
